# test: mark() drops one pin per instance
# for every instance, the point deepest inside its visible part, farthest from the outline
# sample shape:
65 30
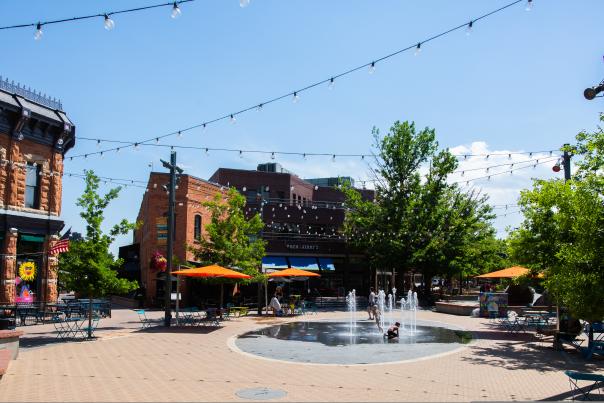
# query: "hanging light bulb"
179 134
259 108
38 34
117 150
333 158
207 151
295 98
157 140
109 24
304 156
272 155
244 3
529 5
469 28
418 49
233 120
371 68
240 153
331 83
175 11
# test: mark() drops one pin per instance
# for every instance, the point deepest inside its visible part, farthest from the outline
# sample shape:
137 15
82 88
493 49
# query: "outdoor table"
191 316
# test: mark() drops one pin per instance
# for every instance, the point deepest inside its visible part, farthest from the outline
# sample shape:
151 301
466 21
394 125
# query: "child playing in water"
377 315
392 331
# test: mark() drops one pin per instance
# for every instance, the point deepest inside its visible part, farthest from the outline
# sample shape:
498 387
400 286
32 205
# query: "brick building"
152 235
35 134
303 222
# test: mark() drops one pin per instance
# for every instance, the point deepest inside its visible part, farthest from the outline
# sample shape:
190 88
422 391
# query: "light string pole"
174 171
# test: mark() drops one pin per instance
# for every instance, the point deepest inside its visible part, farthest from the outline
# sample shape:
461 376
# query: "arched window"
197 227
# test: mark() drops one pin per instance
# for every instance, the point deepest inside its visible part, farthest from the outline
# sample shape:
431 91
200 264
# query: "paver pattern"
197 364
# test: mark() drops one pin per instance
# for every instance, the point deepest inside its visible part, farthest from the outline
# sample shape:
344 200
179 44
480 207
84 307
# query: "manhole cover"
261 393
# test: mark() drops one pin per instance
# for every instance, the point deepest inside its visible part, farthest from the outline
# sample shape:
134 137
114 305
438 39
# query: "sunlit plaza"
302 200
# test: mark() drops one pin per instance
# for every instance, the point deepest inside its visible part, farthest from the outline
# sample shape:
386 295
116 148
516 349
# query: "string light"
371 65
175 11
38 34
233 120
529 5
296 97
371 68
418 49
469 28
108 23
331 83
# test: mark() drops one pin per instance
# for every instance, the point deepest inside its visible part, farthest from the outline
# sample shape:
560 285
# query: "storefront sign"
300 246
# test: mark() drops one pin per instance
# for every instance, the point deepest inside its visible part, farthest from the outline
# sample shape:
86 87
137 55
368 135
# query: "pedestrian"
372 303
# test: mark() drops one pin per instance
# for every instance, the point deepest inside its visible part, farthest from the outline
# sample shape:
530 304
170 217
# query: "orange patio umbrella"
293 273
510 272
213 271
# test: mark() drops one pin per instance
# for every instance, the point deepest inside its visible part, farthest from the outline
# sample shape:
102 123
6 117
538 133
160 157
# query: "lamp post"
171 202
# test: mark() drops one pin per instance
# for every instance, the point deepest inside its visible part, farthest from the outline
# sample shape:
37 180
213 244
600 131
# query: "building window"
32 186
197 227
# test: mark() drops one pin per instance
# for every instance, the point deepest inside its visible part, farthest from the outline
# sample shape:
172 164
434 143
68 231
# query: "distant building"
152 237
35 134
303 224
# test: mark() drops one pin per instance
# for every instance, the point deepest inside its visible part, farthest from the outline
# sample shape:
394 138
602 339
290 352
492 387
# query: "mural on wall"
26 282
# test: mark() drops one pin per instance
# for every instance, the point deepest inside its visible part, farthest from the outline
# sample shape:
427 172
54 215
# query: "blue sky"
514 84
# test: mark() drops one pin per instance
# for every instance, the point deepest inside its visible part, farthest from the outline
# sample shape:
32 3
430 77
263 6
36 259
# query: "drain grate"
261 393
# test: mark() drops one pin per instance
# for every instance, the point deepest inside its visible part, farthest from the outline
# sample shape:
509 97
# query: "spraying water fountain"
351 301
390 299
381 302
354 341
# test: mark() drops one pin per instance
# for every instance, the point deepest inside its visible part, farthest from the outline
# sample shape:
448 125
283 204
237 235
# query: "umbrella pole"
177 295
221 294
266 292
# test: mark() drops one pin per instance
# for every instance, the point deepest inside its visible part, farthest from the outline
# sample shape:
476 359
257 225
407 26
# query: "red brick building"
35 134
152 236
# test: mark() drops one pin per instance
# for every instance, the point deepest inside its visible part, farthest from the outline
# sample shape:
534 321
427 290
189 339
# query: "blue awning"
274 262
326 263
304 263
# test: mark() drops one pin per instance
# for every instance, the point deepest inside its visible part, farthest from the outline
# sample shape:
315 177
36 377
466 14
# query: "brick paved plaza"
197 364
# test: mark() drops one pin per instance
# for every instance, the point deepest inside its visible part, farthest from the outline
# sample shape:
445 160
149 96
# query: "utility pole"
261 202
566 162
171 204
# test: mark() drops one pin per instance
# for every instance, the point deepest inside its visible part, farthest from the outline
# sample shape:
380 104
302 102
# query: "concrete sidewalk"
197 364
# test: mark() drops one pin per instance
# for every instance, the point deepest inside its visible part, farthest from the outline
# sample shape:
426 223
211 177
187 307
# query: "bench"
596 383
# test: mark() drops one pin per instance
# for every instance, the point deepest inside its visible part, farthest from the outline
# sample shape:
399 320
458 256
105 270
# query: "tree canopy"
88 267
562 232
231 239
419 221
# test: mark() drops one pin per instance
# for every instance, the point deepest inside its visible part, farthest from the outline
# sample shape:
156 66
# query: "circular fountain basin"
331 342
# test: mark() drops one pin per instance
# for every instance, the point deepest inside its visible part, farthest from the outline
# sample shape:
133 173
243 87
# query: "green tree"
88 268
231 240
562 231
418 221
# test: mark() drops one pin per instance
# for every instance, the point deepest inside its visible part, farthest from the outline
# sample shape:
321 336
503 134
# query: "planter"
9 340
